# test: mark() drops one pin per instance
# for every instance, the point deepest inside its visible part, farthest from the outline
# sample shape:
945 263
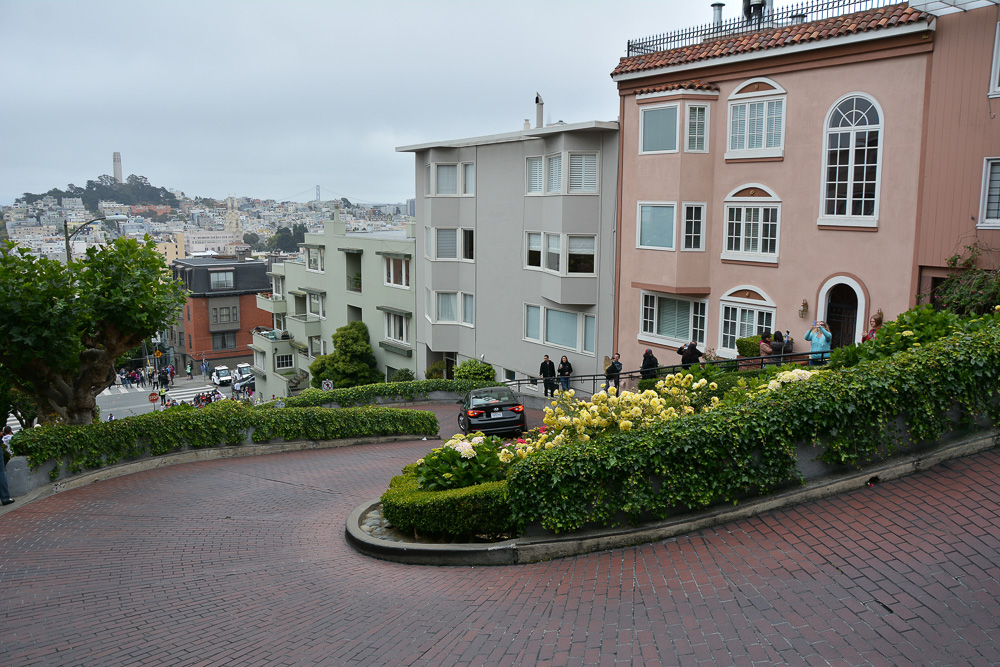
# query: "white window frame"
744 203
677 128
849 219
588 184
683 232
730 300
541 251
401 281
437 243
566 255
673 224
277 285
437 307
437 179
259 359
581 329
279 322
320 300
553 180
994 87
317 346
429 248
468 314
990 163
283 361
319 265
467 186
649 315
464 247
216 282
427 180
534 165
397 323
687 127
742 100
524 328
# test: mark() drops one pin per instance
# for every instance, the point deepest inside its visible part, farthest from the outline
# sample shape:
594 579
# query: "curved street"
243 561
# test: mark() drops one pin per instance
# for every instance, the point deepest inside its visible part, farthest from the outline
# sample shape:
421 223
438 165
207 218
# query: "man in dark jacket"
614 371
547 371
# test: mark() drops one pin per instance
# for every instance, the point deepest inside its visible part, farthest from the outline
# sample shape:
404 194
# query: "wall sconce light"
804 308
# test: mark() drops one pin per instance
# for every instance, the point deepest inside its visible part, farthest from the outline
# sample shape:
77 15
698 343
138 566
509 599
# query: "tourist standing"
547 371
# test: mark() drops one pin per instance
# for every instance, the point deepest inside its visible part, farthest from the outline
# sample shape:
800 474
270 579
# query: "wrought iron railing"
802 12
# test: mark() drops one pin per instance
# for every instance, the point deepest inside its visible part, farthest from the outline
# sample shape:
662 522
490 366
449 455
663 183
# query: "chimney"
717 13
539 105
527 124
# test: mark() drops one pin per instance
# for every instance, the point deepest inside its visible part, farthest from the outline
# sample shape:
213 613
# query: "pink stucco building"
809 169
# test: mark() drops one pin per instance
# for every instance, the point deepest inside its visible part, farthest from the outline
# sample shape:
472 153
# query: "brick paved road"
243 561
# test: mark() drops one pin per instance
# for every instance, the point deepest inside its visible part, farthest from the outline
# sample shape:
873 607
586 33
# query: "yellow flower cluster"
572 420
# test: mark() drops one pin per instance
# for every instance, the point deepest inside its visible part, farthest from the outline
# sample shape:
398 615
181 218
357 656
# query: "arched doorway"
842 314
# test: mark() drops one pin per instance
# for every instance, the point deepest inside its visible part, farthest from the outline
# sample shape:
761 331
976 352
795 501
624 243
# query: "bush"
749 346
368 393
968 289
464 461
473 369
436 370
402 375
223 423
480 510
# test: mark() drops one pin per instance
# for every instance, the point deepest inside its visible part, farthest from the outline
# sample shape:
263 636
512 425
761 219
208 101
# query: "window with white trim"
675 320
553 252
694 227
397 272
397 328
317 304
583 172
278 285
468 244
534 175
427 180
751 232
757 125
565 329
655 226
580 253
468 178
259 359
990 214
315 259
742 320
533 250
447 307
446 180
317 346
995 70
279 323
658 129
697 128
221 279
468 309
553 174
852 163
447 244
282 361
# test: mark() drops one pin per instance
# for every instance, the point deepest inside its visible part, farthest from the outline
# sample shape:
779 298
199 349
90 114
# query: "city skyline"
255 99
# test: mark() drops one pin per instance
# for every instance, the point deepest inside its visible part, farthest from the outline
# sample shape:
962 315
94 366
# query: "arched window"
852 163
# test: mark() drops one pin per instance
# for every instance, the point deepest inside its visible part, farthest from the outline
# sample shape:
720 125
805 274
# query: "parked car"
242 372
491 410
221 376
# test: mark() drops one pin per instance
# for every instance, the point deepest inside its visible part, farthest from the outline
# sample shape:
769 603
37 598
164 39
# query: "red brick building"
214 325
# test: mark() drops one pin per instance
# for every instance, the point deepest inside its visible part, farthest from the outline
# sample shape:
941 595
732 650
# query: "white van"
221 376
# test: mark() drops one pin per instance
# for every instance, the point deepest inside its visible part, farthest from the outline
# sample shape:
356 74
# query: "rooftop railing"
803 12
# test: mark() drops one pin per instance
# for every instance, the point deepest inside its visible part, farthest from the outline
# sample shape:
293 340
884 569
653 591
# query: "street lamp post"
108 218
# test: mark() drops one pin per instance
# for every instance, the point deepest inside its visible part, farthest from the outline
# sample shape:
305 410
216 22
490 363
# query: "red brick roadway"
243 562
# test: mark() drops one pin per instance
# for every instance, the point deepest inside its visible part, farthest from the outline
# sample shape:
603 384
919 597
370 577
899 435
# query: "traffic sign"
154 397
157 354
327 385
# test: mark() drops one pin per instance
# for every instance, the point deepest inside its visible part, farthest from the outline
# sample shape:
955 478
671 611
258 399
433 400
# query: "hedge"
223 423
369 392
856 415
480 510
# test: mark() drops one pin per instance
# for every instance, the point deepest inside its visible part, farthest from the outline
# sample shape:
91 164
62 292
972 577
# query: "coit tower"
117 159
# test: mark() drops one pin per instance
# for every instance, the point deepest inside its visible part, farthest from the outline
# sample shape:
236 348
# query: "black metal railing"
802 12
629 380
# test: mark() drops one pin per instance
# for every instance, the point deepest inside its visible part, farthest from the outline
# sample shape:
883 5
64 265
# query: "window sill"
692 250
848 222
763 153
989 224
396 348
653 247
749 258
653 339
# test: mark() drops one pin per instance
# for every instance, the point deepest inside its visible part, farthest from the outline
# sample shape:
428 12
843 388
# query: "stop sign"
154 397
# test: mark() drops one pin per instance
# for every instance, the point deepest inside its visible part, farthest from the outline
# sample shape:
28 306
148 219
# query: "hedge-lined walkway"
243 561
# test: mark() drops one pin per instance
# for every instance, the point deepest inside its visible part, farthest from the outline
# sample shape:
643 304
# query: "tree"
62 327
253 240
352 362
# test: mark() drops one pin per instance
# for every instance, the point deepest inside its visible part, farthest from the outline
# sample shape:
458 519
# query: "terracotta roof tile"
838 26
680 85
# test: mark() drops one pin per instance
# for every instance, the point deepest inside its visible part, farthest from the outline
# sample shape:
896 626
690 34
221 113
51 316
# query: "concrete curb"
534 549
193 456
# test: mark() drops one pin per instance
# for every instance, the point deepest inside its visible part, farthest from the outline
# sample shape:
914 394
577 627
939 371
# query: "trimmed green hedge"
749 346
856 415
223 423
369 392
480 510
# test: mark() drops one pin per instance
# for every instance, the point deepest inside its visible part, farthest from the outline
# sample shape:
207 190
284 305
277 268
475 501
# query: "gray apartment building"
515 246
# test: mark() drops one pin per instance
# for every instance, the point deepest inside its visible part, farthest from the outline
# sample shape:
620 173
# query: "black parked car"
491 410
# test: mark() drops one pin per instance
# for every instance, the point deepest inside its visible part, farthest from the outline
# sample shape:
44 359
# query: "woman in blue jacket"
819 338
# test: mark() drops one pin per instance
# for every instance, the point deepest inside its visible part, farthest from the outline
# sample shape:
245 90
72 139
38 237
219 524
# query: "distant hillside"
135 190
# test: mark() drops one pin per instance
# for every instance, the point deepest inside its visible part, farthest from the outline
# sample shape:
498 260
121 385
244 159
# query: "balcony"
354 283
272 303
303 326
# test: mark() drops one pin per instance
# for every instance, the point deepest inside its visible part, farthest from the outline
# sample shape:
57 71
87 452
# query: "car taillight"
475 413
516 408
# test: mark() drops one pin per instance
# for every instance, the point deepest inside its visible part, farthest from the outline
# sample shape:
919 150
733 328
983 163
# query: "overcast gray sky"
270 99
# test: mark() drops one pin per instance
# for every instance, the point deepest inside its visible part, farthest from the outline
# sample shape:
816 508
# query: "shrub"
749 346
402 375
436 370
473 369
464 461
467 512
969 289
368 393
